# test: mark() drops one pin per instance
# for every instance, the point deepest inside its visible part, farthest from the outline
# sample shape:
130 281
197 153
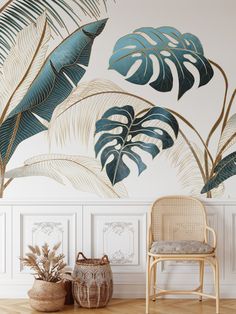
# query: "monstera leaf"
225 169
166 44
61 71
134 133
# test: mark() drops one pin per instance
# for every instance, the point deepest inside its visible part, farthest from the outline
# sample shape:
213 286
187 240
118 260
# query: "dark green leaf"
165 44
225 169
52 85
132 135
17 13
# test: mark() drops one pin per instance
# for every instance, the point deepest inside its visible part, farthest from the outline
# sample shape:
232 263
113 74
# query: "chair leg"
154 269
217 286
148 277
201 277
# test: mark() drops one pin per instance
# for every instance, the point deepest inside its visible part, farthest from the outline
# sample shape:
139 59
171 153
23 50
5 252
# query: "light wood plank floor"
137 306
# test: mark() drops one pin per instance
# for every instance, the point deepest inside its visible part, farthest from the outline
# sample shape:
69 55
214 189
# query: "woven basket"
93 283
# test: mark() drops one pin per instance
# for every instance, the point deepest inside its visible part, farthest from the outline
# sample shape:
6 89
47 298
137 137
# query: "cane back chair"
178 231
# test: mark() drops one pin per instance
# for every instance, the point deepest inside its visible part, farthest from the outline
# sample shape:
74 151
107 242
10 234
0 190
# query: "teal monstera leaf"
225 169
60 73
142 132
166 44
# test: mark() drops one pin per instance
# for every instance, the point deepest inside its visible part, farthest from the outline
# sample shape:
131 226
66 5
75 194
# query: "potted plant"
48 293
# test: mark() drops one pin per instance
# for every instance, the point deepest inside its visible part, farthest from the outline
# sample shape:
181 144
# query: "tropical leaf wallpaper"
164 43
98 99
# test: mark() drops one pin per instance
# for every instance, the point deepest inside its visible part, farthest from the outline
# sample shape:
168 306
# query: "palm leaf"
52 85
228 136
189 167
75 119
165 44
23 63
63 16
225 169
83 172
114 144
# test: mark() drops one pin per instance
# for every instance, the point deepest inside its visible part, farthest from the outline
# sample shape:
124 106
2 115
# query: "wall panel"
116 228
51 224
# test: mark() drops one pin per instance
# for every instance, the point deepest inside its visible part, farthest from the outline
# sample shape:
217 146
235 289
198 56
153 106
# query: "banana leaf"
60 73
225 169
61 15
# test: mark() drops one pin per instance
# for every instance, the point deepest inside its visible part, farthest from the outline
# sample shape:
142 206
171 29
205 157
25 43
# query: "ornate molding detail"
121 234
47 227
118 227
118 257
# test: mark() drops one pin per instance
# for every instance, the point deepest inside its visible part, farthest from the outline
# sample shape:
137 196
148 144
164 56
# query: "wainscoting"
114 227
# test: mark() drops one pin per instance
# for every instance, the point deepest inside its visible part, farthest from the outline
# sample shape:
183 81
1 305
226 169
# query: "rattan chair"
178 231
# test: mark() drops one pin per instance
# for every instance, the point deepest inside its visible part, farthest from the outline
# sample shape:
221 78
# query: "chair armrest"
149 229
149 238
213 234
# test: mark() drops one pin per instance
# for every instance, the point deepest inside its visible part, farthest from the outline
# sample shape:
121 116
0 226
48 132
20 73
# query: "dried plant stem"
46 264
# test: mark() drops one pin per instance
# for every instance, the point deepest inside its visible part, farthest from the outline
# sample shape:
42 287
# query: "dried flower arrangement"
46 264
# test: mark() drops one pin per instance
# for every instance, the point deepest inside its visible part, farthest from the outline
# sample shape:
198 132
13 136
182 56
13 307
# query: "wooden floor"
137 306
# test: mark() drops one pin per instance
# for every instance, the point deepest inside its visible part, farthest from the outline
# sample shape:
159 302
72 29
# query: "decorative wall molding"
119 232
47 227
114 227
37 224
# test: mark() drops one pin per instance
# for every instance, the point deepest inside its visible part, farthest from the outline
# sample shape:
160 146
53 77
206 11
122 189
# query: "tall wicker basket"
93 283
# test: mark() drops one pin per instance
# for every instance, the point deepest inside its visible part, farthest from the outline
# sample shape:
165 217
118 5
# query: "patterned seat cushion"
181 247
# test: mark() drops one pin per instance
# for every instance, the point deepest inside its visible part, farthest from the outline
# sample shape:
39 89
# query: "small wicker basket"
93 283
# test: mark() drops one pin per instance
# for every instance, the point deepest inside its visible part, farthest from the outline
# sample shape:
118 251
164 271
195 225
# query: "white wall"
213 21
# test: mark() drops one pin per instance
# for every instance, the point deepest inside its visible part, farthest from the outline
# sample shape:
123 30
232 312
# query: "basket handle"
104 260
78 255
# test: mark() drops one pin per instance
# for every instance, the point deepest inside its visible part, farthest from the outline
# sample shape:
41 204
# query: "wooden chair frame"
154 259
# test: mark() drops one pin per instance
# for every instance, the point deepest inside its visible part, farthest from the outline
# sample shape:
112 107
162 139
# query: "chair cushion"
180 247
